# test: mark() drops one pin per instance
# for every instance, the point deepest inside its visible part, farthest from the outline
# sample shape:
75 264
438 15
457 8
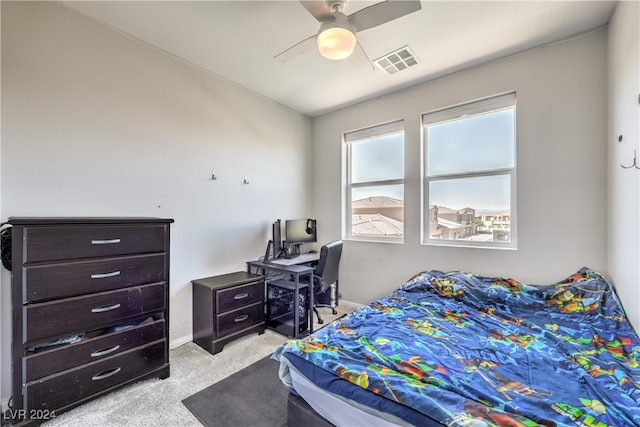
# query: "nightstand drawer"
226 307
48 281
85 292
69 386
239 296
49 362
56 243
239 319
79 314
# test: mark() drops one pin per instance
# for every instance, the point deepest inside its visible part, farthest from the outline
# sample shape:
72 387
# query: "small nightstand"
227 307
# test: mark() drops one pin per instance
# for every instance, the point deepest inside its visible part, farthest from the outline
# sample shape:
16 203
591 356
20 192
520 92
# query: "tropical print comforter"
467 350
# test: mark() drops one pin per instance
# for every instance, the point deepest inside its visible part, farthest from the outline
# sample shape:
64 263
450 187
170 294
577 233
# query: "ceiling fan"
336 38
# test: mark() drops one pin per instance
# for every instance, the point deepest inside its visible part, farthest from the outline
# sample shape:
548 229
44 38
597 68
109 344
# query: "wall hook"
635 163
246 181
213 176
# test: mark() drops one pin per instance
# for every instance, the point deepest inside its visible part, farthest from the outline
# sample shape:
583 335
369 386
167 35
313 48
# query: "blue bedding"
464 349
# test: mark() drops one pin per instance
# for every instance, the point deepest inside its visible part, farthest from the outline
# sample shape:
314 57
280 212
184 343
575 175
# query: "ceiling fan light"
336 43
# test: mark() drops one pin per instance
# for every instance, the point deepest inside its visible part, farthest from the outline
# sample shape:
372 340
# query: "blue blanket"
461 348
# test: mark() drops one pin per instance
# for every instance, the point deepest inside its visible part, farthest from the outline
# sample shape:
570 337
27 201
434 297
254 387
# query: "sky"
470 144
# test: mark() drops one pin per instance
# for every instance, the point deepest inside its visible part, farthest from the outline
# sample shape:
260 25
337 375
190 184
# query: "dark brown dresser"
227 307
90 300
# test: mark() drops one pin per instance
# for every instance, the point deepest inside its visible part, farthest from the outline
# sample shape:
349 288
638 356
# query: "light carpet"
157 402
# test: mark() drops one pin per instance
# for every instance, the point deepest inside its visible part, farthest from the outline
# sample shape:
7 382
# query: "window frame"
350 138
470 109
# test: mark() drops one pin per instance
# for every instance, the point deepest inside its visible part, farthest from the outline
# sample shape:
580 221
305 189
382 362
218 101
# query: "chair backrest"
326 271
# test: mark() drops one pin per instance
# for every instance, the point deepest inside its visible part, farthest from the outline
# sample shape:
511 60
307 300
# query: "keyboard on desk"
300 259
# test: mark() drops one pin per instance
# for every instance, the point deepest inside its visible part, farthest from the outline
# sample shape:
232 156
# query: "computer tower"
280 309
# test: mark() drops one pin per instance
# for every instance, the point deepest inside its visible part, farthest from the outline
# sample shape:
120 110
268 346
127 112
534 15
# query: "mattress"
464 349
339 410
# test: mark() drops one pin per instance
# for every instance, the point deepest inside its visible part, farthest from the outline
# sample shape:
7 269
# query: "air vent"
398 60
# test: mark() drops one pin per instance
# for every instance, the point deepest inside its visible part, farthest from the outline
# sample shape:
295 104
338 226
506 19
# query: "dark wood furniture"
227 307
90 300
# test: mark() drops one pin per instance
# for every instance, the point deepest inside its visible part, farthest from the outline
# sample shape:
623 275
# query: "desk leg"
310 288
296 316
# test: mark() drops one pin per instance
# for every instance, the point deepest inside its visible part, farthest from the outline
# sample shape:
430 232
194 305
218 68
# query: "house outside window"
469 174
375 183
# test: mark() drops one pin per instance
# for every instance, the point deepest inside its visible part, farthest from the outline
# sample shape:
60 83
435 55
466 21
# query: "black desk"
294 271
306 258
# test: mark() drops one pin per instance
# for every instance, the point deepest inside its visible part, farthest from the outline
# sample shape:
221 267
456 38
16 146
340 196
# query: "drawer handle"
241 296
241 318
105 275
107 308
106 374
105 351
105 242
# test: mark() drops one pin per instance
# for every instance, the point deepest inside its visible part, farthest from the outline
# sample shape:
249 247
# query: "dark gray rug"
253 396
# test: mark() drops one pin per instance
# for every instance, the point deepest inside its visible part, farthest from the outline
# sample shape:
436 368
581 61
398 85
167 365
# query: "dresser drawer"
239 319
59 280
49 362
69 386
56 243
239 296
79 314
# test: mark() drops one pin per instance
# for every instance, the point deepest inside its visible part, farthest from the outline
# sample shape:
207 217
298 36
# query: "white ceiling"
237 40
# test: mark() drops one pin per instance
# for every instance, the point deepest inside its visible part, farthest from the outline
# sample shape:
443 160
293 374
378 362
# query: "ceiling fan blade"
318 8
360 60
297 49
380 13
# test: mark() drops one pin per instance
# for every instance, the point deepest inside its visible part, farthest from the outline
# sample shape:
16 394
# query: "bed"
462 349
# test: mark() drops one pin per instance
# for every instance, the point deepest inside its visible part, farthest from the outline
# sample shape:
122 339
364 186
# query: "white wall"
561 170
96 124
623 185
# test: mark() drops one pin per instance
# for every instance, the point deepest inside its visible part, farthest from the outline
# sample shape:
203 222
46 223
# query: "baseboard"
175 343
350 304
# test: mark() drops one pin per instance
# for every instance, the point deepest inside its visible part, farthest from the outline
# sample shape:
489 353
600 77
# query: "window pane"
376 159
476 209
377 211
477 143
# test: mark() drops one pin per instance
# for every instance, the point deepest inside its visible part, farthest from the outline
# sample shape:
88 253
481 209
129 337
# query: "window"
469 174
375 183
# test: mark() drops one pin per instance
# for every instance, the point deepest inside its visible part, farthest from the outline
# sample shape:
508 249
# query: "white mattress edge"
336 409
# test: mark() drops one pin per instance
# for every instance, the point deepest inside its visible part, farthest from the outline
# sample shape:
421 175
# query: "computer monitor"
276 234
300 231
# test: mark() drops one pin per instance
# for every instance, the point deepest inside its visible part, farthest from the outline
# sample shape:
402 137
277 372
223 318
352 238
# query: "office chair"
326 273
